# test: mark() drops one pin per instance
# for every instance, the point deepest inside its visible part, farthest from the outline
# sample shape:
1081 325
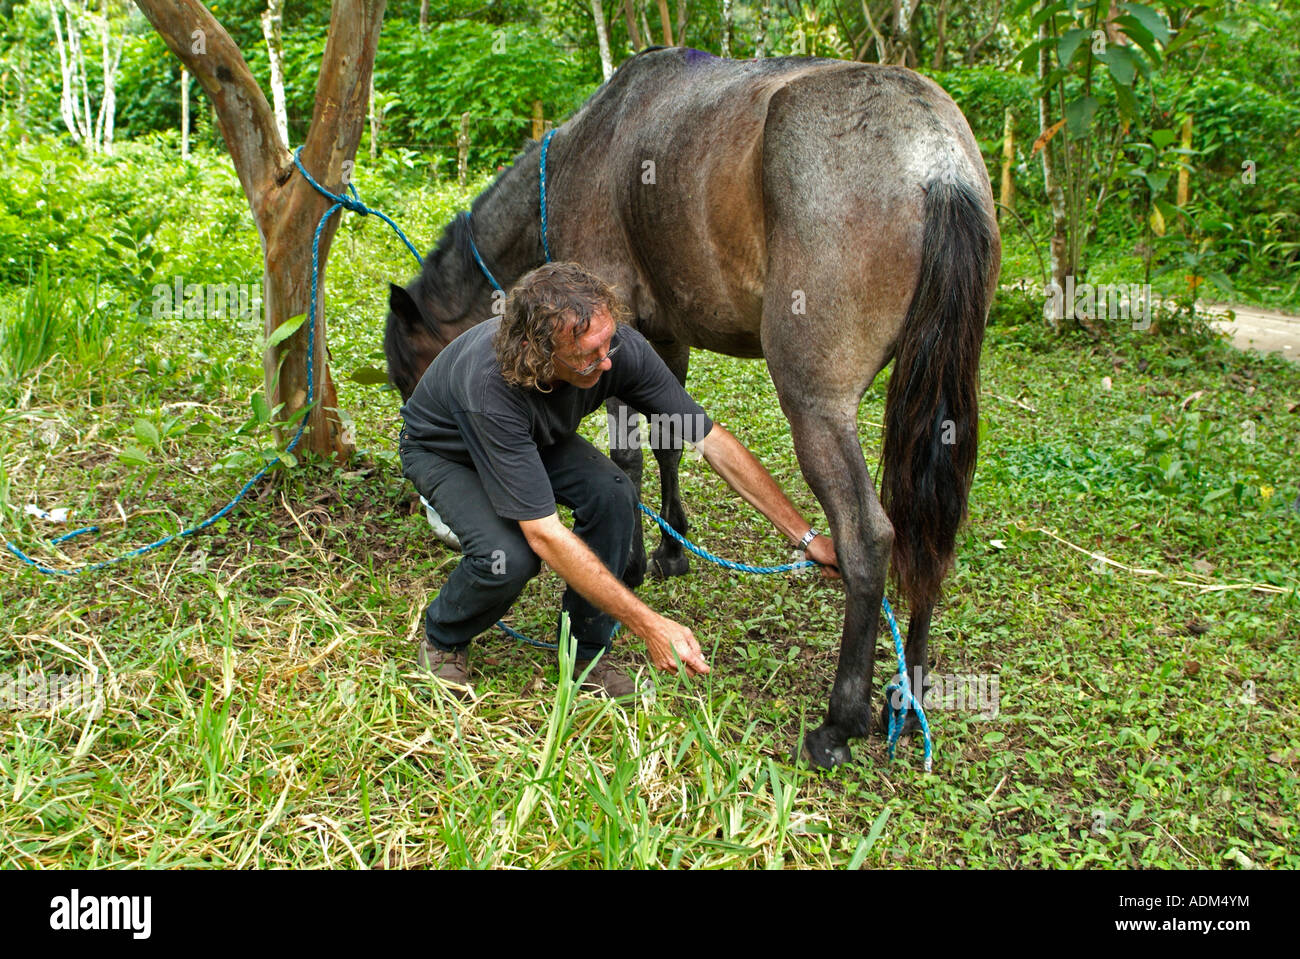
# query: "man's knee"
611 497
512 563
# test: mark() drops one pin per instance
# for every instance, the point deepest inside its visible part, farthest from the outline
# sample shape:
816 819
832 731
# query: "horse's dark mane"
452 258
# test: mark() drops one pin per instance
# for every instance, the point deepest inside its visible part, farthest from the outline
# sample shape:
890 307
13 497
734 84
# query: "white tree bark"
68 98
77 55
272 30
185 112
602 39
111 58
726 28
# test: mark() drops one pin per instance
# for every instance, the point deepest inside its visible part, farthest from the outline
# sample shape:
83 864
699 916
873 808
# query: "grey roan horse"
821 214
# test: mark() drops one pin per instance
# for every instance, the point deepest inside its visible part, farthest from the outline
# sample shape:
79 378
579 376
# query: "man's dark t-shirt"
464 411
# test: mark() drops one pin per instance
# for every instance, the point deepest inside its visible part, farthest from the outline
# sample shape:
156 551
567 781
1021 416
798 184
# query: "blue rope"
352 203
469 229
899 697
541 179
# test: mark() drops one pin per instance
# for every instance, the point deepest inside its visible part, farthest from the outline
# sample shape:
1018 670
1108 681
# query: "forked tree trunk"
285 207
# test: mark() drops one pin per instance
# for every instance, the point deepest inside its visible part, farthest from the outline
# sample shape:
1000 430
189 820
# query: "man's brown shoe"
450 667
606 679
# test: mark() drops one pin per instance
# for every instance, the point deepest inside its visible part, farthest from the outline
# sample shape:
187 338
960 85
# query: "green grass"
260 705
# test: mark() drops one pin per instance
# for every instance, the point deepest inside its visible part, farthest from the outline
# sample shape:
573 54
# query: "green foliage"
493 73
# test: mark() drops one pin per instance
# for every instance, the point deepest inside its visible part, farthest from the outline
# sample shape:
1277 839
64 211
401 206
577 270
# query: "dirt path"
1256 328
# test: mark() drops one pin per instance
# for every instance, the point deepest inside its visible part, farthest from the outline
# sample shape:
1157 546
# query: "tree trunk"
68 98
108 104
1007 195
903 10
646 33
666 20
633 35
374 120
272 30
424 16
185 112
726 29
285 207
602 40
78 56
680 32
941 35
1051 180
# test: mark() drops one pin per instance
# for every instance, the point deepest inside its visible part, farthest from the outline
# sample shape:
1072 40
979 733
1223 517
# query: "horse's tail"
932 410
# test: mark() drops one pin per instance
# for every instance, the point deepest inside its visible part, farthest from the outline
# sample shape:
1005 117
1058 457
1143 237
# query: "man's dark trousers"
498 562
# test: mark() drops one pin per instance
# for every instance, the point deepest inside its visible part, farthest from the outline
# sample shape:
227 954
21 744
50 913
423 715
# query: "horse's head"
412 337
448 297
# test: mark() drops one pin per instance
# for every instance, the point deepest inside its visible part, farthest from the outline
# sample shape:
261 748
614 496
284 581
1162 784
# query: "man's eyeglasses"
590 367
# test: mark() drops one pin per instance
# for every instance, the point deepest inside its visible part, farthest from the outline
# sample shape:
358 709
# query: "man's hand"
822 550
562 550
664 637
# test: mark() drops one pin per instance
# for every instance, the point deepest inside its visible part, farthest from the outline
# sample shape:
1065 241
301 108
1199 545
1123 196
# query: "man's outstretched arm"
748 477
565 552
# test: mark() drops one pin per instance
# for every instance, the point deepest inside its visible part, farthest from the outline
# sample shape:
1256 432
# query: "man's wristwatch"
808 537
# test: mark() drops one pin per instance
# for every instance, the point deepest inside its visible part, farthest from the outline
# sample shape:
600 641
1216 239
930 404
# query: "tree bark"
273 31
682 14
424 16
602 40
284 206
726 29
110 60
941 35
1007 194
185 112
68 97
666 20
633 35
646 33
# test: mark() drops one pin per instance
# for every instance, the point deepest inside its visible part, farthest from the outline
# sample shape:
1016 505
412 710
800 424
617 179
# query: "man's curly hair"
552 298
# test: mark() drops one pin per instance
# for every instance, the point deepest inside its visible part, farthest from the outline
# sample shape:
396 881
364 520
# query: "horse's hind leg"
822 409
832 462
822 362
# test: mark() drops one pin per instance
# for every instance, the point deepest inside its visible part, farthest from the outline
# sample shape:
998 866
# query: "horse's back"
697 161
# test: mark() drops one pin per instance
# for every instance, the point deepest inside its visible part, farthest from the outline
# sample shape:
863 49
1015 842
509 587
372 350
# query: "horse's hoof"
825 749
663 567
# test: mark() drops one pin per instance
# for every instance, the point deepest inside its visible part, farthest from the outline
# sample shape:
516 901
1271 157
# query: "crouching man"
490 439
